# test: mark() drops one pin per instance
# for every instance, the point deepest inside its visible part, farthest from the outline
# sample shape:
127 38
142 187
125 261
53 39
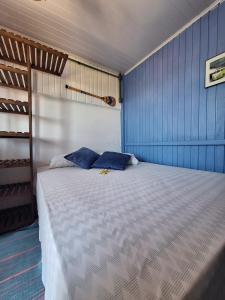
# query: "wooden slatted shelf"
17 207
14 163
13 78
42 58
12 134
15 195
14 106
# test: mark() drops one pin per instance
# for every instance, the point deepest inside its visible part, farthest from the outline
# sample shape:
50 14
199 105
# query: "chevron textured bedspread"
150 232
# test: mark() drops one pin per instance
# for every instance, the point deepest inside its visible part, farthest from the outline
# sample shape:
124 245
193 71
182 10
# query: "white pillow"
59 161
133 160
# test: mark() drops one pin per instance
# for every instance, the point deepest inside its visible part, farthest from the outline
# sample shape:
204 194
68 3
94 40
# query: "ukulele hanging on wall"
107 99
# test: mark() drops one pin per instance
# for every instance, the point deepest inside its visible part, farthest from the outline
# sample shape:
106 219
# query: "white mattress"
150 232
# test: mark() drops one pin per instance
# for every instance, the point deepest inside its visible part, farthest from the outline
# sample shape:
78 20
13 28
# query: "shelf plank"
15 195
14 106
39 53
14 163
13 70
13 77
12 134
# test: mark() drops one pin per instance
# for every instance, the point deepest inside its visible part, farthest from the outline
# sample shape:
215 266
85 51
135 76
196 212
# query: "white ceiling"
114 33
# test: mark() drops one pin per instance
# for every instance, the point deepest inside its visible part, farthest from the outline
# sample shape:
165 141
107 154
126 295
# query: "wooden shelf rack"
16 200
17 207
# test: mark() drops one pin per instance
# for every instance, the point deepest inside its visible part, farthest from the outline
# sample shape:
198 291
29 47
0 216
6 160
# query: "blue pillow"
83 157
112 160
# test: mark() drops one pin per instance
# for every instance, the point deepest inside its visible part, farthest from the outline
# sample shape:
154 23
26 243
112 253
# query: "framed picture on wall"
215 70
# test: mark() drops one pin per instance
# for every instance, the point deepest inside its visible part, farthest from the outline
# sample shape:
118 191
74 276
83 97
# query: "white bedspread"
150 232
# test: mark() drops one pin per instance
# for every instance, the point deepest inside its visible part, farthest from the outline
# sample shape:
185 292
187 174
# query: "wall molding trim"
204 12
179 143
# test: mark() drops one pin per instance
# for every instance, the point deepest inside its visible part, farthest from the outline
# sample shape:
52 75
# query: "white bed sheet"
150 232
52 274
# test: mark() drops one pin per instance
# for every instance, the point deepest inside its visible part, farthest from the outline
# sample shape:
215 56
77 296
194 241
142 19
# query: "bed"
150 232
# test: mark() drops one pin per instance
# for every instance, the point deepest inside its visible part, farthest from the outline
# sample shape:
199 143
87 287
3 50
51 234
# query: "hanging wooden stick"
107 99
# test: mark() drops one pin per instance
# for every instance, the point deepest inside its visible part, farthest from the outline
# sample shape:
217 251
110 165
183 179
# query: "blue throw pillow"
83 157
112 160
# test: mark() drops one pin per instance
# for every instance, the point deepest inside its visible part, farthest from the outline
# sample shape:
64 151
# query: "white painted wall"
64 120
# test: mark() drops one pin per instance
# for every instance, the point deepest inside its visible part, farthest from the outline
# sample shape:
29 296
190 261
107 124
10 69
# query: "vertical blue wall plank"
169 116
122 114
159 92
195 93
204 40
151 69
220 99
170 92
194 157
164 92
188 83
160 106
154 107
175 93
181 98
195 82
211 100
188 95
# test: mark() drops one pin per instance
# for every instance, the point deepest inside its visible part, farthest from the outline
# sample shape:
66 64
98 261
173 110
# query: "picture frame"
215 70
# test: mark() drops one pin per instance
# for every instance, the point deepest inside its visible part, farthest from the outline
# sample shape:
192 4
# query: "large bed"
149 232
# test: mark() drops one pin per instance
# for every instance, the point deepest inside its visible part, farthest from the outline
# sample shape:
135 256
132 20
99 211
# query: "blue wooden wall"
168 117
